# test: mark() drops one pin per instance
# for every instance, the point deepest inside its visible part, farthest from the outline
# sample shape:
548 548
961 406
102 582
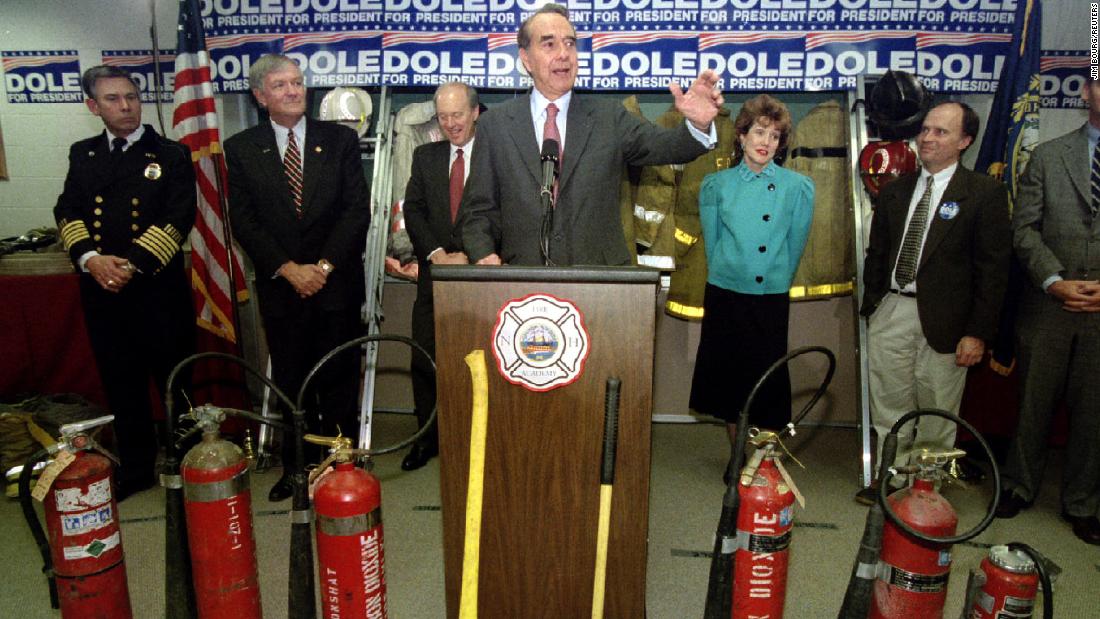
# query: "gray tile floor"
684 510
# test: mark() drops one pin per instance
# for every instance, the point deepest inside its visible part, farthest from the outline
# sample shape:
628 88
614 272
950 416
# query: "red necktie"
458 171
292 165
550 132
550 129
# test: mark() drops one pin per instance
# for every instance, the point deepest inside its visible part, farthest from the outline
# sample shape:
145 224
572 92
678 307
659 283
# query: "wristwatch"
326 266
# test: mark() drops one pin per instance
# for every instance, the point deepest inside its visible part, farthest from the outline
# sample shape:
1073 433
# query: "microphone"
549 160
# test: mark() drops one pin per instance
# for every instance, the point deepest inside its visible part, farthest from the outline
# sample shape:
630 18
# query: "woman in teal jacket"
755 217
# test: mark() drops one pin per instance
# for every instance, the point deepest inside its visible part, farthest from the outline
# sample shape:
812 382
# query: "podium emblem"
540 342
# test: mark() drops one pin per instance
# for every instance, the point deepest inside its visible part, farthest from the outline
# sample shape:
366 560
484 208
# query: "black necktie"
116 147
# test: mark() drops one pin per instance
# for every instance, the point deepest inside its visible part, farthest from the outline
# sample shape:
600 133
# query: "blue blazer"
755 227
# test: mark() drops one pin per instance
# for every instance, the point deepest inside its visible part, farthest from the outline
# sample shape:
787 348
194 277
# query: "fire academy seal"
540 342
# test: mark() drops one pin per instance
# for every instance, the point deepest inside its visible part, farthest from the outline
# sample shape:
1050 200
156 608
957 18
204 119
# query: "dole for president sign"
42 76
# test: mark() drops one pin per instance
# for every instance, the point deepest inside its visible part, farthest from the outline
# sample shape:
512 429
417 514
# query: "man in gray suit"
501 215
1056 233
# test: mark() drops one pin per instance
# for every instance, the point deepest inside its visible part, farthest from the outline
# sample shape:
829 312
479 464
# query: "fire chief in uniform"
126 208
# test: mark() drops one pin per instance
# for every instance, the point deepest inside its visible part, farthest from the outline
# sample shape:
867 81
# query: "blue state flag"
1013 130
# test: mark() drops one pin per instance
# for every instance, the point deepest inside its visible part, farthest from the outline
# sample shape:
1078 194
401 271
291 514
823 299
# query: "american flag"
196 123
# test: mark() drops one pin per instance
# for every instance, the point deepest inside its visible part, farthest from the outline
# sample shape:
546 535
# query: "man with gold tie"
934 280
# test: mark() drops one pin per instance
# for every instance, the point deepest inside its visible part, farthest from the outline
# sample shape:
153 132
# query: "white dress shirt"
538 117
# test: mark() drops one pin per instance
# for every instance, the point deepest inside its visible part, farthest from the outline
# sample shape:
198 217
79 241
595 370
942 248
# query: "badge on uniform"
152 171
948 210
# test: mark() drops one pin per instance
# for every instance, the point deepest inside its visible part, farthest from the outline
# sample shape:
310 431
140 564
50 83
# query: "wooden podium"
541 482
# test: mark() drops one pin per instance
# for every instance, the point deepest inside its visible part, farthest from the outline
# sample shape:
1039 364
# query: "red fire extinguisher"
82 525
218 506
764 525
914 573
1011 582
347 501
902 568
1007 583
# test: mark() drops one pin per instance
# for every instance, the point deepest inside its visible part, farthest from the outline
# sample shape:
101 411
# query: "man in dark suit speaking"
432 197
299 208
934 281
501 214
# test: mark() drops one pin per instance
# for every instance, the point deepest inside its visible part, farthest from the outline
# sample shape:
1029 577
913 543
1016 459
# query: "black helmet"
897 105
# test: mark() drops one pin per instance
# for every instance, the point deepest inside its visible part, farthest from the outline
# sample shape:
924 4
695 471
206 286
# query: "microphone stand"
549 158
546 197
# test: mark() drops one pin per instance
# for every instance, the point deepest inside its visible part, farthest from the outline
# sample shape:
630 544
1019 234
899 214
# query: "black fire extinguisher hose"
720 588
416 348
857 597
1044 576
301 592
35 526
889 472
179 588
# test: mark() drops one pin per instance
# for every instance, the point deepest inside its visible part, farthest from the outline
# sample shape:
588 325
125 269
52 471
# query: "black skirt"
743 335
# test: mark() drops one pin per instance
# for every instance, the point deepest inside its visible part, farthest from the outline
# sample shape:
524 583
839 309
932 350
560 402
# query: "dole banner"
329 60
231 56
42 76
142 67
955 46
1062 77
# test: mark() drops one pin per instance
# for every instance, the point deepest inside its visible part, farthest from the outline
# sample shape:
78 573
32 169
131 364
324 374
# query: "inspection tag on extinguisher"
50 473
540 342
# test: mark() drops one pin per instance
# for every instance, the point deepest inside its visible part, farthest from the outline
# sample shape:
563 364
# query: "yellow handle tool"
607 482
471 554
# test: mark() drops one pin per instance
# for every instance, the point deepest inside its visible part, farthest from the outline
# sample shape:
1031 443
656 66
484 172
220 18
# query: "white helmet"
348 106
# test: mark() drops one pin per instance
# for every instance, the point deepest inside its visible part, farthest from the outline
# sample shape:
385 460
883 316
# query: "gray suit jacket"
501 211
1053 227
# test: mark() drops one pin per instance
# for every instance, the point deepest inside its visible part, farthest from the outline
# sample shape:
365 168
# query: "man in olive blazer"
1056 234
924 333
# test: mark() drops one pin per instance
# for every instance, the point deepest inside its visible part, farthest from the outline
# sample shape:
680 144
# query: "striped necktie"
906 269
1094 179
292 166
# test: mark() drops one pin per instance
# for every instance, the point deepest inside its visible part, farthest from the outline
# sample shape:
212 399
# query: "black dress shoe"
282 490
1086 528
868 495
1010 504
417 457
